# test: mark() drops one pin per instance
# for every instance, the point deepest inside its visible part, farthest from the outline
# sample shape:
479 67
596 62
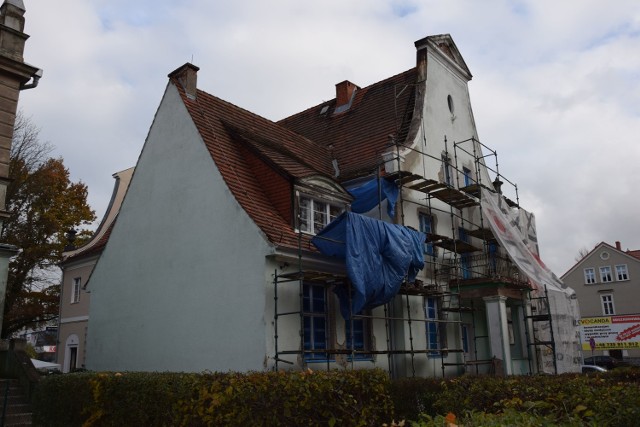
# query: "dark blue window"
467 177
465 338
426 226
431 314
465 259
315 322
360 337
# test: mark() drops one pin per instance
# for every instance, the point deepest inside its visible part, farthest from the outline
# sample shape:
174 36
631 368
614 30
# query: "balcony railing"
483 266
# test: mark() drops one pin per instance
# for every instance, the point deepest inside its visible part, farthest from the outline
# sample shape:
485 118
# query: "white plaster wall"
425 160
180 286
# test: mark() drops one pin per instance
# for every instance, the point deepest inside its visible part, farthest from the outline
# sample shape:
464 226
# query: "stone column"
498 331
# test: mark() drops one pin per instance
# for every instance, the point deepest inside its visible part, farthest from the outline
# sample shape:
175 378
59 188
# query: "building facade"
607 284
15 75
218 249
77 266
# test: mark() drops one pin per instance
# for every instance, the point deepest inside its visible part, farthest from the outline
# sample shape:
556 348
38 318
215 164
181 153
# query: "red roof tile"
95 249
358 136
242 144
231 133
635 253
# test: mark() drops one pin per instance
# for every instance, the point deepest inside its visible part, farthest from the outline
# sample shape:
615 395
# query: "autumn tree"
43 204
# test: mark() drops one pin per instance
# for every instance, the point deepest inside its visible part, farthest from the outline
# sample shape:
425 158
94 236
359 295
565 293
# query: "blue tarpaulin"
368 195
378 256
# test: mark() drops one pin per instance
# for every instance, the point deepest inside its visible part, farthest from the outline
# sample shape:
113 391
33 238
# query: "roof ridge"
360 89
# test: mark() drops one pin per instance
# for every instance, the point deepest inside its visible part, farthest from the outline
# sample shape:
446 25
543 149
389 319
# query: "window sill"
319 360
360 359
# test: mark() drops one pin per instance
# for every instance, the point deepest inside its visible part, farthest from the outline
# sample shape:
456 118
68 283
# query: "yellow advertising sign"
610 332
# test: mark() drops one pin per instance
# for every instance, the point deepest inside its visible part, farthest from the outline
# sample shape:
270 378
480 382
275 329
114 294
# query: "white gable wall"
444 79
180 285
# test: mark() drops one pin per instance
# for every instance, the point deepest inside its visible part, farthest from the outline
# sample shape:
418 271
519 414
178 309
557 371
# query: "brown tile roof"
634 253
249 149
236 139
358 136
94 249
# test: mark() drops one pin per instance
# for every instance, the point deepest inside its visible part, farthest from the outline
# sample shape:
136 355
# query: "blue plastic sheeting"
378 256
368 195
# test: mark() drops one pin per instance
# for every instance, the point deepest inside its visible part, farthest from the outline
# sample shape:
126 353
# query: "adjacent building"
15 75
77 266
607 284
371 230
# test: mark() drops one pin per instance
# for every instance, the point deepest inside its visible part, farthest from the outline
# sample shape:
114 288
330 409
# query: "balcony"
484 275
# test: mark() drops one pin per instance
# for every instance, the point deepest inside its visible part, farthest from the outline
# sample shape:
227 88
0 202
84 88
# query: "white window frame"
313 203
590 276
432 327
622 270
606 276
427 225
608 307
75 294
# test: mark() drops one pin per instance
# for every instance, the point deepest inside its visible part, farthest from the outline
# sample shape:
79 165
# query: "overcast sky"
556 86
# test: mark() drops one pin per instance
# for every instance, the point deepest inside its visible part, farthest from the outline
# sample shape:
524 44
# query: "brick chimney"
187 77
618 245
344 95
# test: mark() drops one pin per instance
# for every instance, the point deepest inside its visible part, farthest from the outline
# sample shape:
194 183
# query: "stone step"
22 419
18 410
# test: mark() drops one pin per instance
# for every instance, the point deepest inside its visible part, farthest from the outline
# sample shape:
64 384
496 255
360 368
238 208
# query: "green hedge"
340 398
352 398
610 399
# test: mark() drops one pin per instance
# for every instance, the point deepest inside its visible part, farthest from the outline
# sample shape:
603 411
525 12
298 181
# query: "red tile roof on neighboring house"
635 253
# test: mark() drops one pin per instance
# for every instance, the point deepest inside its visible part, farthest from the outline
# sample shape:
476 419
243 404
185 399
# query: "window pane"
319 215
605 274
426 226
465 338
607 305
304 213
334 211
319 333
318 300
431 313
621 272
467 177
315 321
589 276
307 333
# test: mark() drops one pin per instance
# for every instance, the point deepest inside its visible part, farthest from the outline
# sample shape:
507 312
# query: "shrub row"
611 399
352 398
340 398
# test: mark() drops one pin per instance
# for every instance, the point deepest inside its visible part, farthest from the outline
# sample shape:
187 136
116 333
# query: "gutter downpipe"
34 82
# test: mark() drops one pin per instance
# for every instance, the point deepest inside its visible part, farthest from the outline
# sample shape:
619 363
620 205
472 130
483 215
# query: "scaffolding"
461 264
541 318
